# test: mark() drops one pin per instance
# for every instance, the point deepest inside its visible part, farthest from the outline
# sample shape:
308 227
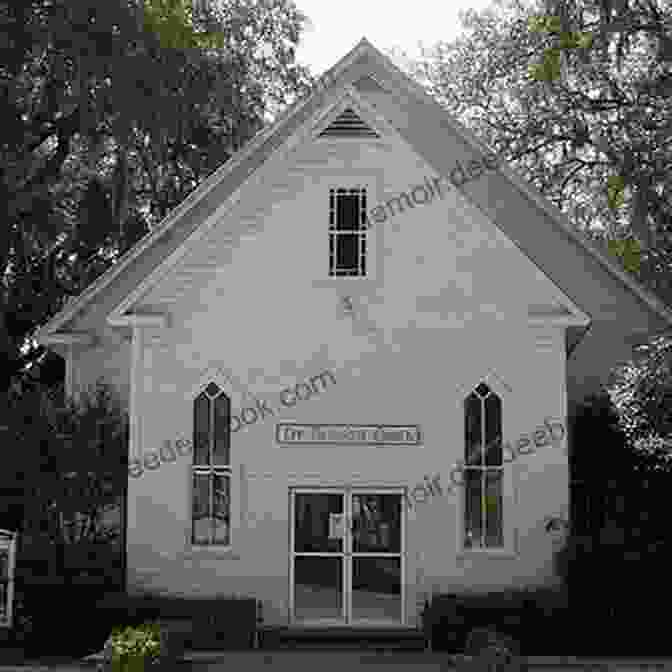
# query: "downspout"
69 370
134 392
124 537
134 448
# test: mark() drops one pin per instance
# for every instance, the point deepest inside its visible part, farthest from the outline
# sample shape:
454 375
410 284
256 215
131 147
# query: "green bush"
130 644
150 645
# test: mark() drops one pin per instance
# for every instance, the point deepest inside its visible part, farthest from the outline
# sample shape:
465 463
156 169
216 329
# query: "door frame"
346 554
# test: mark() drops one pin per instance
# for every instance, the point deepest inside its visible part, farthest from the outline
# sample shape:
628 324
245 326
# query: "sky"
338 26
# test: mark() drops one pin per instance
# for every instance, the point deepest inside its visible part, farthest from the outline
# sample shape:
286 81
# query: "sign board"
359 435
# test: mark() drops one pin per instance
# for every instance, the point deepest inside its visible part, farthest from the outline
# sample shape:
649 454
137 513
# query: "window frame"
359 234
508 548
373 179
212 471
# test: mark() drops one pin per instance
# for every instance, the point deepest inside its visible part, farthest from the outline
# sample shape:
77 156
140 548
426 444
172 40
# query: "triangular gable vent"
348 125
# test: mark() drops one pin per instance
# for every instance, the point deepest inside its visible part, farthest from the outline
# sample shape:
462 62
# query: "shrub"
480 639
70 469
488 649
127 645
619 514
530 616
70 460
41 634
149 645
225 622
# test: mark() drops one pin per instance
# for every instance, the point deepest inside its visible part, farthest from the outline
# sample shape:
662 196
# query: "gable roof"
363 63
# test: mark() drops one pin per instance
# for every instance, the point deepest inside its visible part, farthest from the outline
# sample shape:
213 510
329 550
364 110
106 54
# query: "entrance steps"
292 637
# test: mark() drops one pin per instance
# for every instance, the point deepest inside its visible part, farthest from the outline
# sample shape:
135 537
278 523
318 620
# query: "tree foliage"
594 137
632 40
642 393
112 113
173 22
69 464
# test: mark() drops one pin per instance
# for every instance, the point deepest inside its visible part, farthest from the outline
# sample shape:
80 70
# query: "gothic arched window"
483 469
211 469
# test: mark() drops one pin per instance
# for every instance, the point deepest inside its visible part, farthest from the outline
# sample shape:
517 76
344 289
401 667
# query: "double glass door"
346 557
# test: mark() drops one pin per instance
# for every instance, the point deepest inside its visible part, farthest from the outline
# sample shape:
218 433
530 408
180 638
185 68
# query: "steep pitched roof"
364 61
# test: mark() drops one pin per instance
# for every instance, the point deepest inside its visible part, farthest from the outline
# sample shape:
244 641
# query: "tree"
105 130
642 393
630 40
576 138
70 461
60 490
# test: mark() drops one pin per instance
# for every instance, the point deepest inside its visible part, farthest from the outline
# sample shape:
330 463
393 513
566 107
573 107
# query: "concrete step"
341 638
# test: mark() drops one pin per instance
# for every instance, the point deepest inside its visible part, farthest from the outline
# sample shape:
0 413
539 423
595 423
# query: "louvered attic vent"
348 125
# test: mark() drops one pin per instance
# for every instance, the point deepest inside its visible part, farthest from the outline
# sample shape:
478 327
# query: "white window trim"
510 532
375 236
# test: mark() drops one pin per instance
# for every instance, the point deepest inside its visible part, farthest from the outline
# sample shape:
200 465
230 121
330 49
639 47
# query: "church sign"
360 435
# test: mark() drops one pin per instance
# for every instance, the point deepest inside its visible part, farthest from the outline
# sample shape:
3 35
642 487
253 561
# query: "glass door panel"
318 556
376 557
376 523
318 518
318 588
376 589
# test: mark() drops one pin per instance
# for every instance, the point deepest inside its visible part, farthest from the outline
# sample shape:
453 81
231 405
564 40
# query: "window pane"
493 431
202 527
362 255
212 389
201 429
4 565
472 425
473 512
313 525
362 211
494 536
346 252
376 526
347 213
221 509
4 606
222 430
